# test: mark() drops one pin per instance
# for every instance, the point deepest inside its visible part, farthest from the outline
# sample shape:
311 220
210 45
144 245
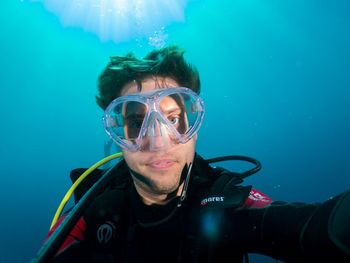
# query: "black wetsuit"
118 227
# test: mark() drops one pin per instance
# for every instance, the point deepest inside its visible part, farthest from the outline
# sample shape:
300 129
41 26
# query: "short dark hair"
165 62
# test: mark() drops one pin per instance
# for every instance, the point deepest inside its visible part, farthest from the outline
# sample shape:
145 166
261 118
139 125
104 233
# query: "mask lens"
182 111
134 114
125 120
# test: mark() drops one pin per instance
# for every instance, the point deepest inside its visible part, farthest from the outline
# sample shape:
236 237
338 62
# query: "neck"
150 198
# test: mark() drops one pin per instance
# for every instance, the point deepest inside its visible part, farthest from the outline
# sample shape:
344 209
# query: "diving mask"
154 120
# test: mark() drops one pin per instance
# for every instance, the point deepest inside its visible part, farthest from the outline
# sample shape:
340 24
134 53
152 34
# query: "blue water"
275 80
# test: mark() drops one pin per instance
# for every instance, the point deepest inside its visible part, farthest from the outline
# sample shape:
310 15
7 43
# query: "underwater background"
275 79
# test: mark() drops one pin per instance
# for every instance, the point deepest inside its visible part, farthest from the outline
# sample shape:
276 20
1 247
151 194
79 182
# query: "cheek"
189 149
130 158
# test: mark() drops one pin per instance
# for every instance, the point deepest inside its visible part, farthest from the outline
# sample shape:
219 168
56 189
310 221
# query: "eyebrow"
172 110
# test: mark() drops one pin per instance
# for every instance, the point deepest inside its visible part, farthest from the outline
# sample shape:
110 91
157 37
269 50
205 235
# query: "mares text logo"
207 200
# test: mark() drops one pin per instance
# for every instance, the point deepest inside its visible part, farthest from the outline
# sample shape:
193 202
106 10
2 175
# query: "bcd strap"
106 231
86 184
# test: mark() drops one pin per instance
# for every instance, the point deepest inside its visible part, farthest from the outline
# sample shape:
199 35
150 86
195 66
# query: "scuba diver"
162 202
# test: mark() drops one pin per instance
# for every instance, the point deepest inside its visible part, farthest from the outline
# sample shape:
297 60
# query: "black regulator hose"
245 174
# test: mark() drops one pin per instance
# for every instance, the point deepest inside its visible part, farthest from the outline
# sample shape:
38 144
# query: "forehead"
149 84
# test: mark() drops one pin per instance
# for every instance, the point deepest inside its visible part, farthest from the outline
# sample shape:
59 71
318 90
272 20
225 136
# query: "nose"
156 143
155 128
157 136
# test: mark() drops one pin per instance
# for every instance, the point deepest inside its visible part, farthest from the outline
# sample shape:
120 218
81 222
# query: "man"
167 204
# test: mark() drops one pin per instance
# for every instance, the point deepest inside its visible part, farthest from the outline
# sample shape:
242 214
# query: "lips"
161 164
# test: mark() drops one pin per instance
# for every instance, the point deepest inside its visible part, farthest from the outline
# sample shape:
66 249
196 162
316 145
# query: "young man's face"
159 172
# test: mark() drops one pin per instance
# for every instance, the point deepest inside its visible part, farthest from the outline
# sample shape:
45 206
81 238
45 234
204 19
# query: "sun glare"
120 20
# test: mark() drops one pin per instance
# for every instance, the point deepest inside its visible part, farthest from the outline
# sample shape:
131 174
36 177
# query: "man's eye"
174 120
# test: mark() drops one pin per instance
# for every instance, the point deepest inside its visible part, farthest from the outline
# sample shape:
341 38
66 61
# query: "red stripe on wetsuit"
257 199
77 234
